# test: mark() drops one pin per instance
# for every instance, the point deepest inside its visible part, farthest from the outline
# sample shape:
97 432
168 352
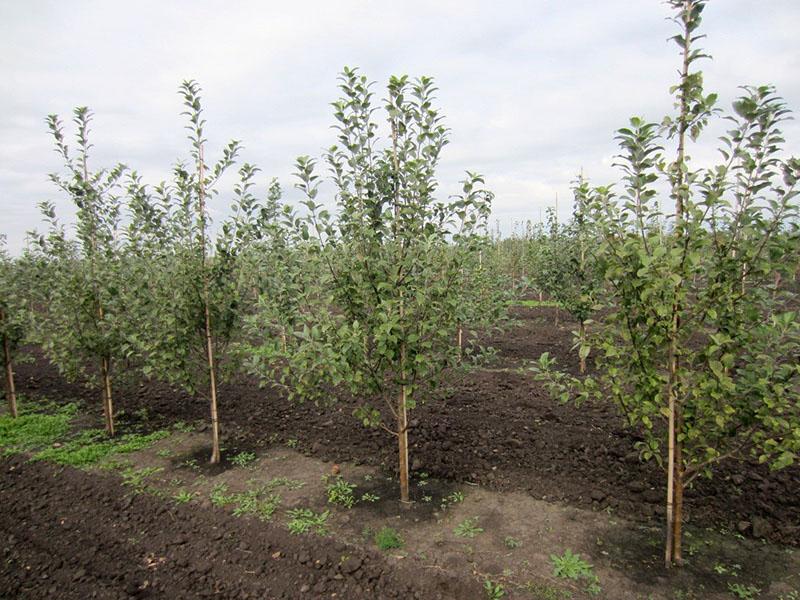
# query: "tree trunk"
460 340
108 405
212 389
580 348
283 339
402 445
677 523
11 394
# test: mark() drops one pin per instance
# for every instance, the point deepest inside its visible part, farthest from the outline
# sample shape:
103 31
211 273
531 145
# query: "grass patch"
32 430
91 446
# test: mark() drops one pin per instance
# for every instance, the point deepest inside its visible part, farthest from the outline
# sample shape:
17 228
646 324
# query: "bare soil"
496 428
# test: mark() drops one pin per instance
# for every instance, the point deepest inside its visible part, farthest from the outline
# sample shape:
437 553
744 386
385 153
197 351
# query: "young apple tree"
197 284
80 307
698 344
394 256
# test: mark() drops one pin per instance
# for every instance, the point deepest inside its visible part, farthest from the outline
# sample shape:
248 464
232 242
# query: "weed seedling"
494 591
341 492
743 592
183 496
303 520
468 528
572 566
243 459
387 538
512 542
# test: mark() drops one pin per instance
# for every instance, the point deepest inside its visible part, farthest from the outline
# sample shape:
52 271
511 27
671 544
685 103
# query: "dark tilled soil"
67 534
496 427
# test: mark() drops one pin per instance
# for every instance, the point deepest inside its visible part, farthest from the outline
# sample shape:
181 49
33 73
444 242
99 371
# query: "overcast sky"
532 90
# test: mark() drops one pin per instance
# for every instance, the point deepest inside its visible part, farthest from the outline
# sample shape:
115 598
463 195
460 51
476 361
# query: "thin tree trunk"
580 348
212 380
671 393
108 405
402 444
11 394
460 340
283 339
677 523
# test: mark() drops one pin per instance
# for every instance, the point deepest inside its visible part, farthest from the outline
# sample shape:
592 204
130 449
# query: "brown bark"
108 405
677 523
215 454
402 445
11 394
671 392
580 348
212 380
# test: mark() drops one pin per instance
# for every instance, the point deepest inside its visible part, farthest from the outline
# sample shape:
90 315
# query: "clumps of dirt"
71 534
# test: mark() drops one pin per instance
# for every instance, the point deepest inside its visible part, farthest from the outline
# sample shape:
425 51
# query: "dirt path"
67 534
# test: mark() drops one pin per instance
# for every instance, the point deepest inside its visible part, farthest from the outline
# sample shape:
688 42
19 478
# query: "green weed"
572 566
387 538
468 528
303 520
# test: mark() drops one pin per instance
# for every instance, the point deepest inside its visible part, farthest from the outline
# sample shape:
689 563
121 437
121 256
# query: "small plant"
572 566
454 498
341 492
494 591
290 484
512 542
267 508
292 443
303 520
183 427
243 459
184 496
165 453
219 496
387 538
468 528
743 592
367 497
135 477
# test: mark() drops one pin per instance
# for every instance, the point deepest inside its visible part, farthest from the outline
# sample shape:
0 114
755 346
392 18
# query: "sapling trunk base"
402 445
11 394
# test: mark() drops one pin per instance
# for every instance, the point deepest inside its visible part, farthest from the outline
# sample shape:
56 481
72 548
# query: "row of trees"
685 304
372 299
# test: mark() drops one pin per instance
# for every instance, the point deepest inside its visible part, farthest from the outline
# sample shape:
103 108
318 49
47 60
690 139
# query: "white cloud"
532 90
